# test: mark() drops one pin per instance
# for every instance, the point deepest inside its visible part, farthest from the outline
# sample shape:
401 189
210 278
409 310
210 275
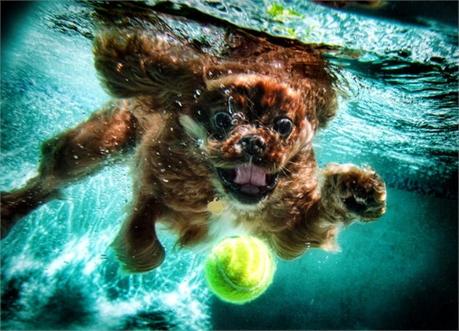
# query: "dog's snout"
253 145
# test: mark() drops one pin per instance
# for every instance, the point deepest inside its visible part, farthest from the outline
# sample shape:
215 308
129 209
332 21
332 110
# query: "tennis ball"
239 269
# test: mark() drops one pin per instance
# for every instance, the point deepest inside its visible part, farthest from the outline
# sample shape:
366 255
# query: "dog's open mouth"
247 183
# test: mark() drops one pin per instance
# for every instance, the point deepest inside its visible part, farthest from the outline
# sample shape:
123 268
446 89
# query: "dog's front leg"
349 192
136 245
70 156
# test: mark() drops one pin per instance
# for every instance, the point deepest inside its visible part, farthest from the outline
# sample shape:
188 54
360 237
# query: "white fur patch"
193 128
222 225
331 245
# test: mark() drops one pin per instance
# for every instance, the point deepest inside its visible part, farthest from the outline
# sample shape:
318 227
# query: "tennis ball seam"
230 282
265 261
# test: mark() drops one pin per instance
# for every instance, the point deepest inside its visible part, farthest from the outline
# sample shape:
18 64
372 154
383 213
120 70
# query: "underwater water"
398 113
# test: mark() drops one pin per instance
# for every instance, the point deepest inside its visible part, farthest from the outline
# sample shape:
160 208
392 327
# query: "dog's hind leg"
70 156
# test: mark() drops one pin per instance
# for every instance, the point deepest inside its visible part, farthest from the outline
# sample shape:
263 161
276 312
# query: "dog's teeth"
250 189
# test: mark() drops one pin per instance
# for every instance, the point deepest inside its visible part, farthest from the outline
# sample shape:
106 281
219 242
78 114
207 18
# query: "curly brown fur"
235 126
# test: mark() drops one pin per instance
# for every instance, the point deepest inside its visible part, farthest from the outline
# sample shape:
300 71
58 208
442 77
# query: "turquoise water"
398 113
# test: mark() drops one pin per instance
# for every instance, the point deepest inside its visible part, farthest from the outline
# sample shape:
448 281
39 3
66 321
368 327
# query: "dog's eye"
284 126
223 120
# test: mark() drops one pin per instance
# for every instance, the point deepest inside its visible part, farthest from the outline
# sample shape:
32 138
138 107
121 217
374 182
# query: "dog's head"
250 126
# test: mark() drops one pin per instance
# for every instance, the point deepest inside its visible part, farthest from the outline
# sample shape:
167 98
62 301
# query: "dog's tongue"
250 174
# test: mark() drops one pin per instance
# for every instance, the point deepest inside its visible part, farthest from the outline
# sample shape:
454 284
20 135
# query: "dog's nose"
253 145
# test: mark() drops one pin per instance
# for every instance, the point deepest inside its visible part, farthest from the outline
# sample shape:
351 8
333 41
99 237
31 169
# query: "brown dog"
234 124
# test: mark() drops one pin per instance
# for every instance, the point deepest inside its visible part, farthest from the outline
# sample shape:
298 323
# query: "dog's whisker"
283 171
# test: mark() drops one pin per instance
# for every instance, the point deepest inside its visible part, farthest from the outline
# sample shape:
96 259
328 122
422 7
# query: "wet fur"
165 91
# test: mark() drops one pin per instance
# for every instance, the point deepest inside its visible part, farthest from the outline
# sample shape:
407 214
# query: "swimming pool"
398 113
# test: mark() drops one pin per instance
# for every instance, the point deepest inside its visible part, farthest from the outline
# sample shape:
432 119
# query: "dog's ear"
132 63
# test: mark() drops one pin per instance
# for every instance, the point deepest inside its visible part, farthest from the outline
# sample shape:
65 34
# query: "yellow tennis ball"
239 269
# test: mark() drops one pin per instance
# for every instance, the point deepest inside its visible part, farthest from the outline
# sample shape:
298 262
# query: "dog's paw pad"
363 193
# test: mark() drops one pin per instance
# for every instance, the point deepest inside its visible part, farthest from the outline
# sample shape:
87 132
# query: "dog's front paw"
361 190
136 254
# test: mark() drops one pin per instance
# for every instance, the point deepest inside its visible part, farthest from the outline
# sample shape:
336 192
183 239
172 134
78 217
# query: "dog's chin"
247 184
